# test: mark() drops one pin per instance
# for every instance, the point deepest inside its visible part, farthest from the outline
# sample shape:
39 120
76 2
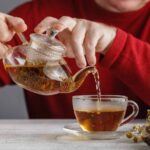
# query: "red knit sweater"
125 70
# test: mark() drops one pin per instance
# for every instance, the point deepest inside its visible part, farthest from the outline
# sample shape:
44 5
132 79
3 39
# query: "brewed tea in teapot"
39 66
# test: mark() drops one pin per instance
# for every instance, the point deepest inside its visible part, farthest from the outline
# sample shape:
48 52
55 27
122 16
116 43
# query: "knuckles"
3 50
5 37
89 46
65 18
49 18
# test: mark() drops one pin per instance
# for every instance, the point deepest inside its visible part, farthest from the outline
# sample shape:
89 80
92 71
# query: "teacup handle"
134 113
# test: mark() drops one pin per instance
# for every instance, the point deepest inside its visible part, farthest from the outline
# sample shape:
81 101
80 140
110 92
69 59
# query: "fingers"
60 25
78 30
82 38
78 35
3 50
65 23
44 25
5 34
76 38
15 23
9 25
65 38
90 42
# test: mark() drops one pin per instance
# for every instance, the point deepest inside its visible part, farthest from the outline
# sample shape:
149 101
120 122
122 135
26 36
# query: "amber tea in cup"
102 114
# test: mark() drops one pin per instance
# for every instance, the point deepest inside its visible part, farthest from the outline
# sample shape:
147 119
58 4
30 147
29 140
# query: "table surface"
49 135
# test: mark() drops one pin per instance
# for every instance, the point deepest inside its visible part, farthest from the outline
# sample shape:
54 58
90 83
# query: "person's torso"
60 105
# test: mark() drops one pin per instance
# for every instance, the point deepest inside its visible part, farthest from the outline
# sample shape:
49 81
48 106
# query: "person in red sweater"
115 37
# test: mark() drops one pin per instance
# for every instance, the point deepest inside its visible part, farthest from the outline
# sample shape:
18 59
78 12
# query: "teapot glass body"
39 66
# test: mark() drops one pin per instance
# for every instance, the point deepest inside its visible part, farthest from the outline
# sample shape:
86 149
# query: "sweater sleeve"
129 60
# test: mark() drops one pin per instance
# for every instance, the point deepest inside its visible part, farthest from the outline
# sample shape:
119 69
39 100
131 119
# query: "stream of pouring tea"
98 89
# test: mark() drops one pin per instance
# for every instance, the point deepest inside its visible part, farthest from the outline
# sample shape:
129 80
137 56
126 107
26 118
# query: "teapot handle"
22 38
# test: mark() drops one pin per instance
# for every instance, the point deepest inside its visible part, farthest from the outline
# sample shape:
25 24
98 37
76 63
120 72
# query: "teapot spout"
81 75
74 82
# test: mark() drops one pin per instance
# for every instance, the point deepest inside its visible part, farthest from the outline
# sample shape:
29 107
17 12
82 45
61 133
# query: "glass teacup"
102 114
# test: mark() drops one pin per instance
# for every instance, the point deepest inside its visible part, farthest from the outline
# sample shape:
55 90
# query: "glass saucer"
75 129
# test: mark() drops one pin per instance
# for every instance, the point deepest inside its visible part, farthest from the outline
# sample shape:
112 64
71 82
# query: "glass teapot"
39 66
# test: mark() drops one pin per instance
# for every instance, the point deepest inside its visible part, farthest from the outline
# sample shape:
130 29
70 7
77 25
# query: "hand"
81 37
9 25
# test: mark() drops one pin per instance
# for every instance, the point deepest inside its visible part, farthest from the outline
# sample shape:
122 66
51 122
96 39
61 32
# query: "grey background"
12 104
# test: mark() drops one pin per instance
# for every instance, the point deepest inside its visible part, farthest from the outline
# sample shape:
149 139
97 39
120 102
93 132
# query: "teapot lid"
46 46
44 40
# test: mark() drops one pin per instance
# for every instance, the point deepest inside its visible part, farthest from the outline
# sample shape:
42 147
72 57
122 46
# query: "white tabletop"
49 135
